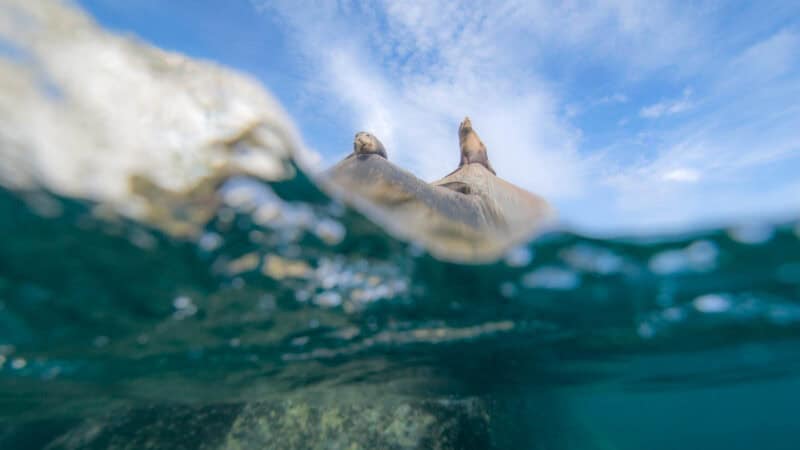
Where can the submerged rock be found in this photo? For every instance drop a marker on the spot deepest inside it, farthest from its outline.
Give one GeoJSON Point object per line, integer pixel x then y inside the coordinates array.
{"type": "Point", "coordinates": [290, 424]}
{"type": "Point", "coordinates": [392, 425]}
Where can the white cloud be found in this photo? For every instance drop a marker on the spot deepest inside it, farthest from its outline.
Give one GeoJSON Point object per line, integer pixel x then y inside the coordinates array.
{"type": "Point", "coordinates": [682, 174]}
{"type": "Point", "coordinates": [767, 59]}
{"type": "Point", "coordinates": [576, 109]}
{"type": "Point", "coordinates": [615, 98]}
{"type": "Point", "coordinates": [430, 64]}
{"type": "Point", "coordinates": [668, 107]}
{"type": "Point", "coordinates": [409, 71]}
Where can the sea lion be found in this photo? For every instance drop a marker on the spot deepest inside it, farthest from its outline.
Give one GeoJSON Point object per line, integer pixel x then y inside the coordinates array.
{"type": "Point", "coordinates": [449, 224]}
{"type": "Point", "coordinates": [472, 148]}
{"type": "Point", "coordinates": [386, 185]}
{"type": "Point", "coordinates": [512, 210]}
{"type": "Point", "coordinates": [470, 215]}
{"type": "Point", "coordinates": [367, 144]}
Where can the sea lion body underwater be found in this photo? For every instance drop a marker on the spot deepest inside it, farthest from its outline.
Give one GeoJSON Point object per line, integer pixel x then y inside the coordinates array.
{"type": "Point", "coordinates": [469, 215]}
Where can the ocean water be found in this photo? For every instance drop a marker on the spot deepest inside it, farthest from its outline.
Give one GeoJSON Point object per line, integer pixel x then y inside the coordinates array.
{"type": "Point", "coordinates": [172, 277]}
{"type": "Point", "coordinates": [659, 342]}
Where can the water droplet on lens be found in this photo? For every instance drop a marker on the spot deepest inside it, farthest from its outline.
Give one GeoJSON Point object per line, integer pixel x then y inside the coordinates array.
{"type": "Point", "coordinates": [416, 249]}
{"type": "Point", "coordinates": [226, 216]}
{"type": "Point", "coordinates": [142, 239]}
{"type": "Point", "coordinates": [183, 307]}
{"type": "Point", "coordinates": [592, 259]}
{"type": "Point", "coordinates": [328, 299]}
{"type": "Point", "coordinates": [752, 234]}
{"type": "Point", "coordinates": [645, 330]}
{"type": "Point", "coordinates": [267, 302]}
{"type": "Point", "coordinates": [44, 205]}
{"type": "Point", "coordinates": [508, 289]}
{"type": "Point", "coordinates": [711, 303]}
{"type": "Point", "coordinates": [100, 341]}
{"type": "Point", "coordinates": [51, 373]}
{"type": "Point", "coordinates": [300, 341]}
{"type": "Point", "coordinates": [209, 241]}
{"type": "Point", "coordinates": [784, 314]}
{"type": "Point", "coordinates": [702, 254]}
{"type": "Point", "coordinates": [181, 302]}
{"type": "Point", "coordinates": [266, 213]}
{"type": "Point", "coordinates": [673, 314]}
{"type": "Point", "coordinates": [550, 277]}
{"type": "Point", "coordinates": [518, 257]}
{"type": "Point", "coordinates": [18, 363]}
{"type": "Point", "coordinates": [668, 262]}
{"type": "Point", "coordinates": [245, 263]}
{"type": "Point", "coordinates": [330, 231]}
{"type": "Point", "coordinates": [302, 296]}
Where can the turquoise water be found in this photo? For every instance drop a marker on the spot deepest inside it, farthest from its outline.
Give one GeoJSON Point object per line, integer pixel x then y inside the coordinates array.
{"type": "Point", "coordinates": [658, 342]}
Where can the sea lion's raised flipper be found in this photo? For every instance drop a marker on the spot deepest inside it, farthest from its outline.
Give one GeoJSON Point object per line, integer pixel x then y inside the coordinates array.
{"type": "Point", "coordinates": [472, 148]}
{"type": "Point", "coordinates": [513, 212]}
{"type": "Point", "coordinates": [367, 144]}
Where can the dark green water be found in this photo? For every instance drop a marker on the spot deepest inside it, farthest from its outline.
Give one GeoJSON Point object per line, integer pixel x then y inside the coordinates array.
{"type": "Point", "coordinates": [686, 341]}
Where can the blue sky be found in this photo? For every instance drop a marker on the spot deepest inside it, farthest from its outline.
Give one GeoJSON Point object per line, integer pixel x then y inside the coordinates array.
{"type": "Point", "coordinates": [626, 115]}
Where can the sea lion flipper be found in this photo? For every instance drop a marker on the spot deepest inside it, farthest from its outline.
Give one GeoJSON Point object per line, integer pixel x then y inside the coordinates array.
{"type": "Point", "coordinates": [472, 148]}
{"type": "Point", "coordinates": [367, 144]}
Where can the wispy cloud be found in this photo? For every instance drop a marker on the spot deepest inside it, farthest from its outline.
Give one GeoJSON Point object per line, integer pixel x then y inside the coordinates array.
{"type": "Point", "coordinates": [682, 175]}
{"type": "Point", "coordinates": [668, 107]}
{"type": "Point", "coordinates": [409, 71]}
{"type": "Point", "coordinates": [616, 98]}
{"type": "Point", "coordinates": [767, 59]}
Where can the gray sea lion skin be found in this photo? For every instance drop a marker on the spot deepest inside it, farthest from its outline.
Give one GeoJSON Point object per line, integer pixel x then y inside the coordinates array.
{"type": "Point", "coordinates": [367, 144]}
{"type": "Point", "coordinates": [369, 175]}
{"type": "Point", "coordinates": [515, 210]}
{"type": "Point", "coordinates": [472, 148]}
{"type": "Point", "coordinates": [471, 215]}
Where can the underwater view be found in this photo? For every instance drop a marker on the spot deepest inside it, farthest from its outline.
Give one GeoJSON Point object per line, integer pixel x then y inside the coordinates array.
{"type": "Point", "coordinates": [176, 274]}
